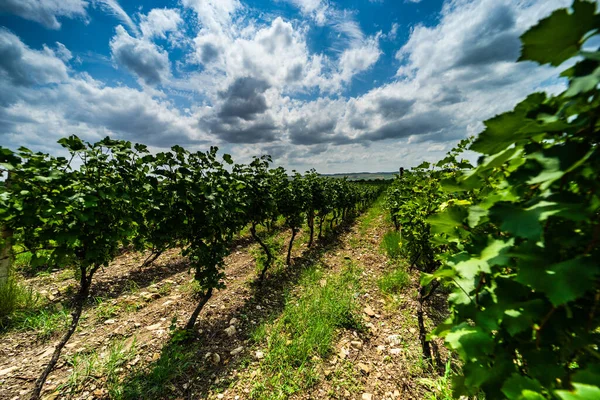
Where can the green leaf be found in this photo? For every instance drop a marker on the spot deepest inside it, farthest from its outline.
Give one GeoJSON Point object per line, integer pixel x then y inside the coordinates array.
{"type": "Point", "coordinates": [227, 159]}
{"type": "Point", "coordinates": [469, 341]}
{"type": "Point", "coordinates": [583, 84]}
{"type": "Point", "coordinates": [505, 129]}
{"type": "Point", "coordinates": [559, 37]}
{"type": "Point", "coordinates": [495, 253]}
{"type": "Point", "coordinates": [448, 221]}
{"type": "Point", "coordinates": [561, 282]}
{"type": "Point", "coordinates": [519, 387]}
{"type": "Point", "coordinates": [580, 392]}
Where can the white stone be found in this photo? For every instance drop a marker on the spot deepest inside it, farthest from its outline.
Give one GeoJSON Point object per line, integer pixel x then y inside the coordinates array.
{"type": "Point", "coordinates": [236, 351]}
{"type": "Point", "coordinates": [394, 340]}
{"type": "Point", "coordinates": [230, 331]}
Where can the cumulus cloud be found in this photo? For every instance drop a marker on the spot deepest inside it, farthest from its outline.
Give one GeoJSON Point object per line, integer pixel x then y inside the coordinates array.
{"type": "Point", "coordinates": [41, 101]}
{"type": "Point", "coordinates": [159, 21]}
{"type": "Point", "coordinates": [214, 15]}
{"type": "Point", "coordinates": [46, 12]}
{"type": "Point", "coordinates": [23, 66]}
{"type": "Point", "coordinates": [244, 99]}
{"type": "Point", "coordinates": [140, 56]}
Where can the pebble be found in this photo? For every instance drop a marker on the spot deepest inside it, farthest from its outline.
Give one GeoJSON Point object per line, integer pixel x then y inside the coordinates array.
{"type": "Point", "coordinates": [236, 351]}
{"type": "Point", "coordinates": [395, 351]}
{"type": "Point", "coordinates": [394, 340]}
{"type": "Point", "coordinates": [7, 371]}
{"type": "Point", "coordinates": [154, 327]}
{"type": "Point", "coordinates": [259, 355]}
{"type": "Point", "coordinates": [364, 368]}
{"type": "Point", "coordinates": [230, 331]}
{"type": "Point", "coordinates": [367, 396]}
{"type": "Point", "coordinates": [357, 344]}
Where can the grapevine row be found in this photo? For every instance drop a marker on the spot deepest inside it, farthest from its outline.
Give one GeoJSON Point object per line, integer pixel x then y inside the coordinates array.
{"type": "Point", "coordinates": [516, 239]}
{"type": "Point", "coordinates": [112, 194]}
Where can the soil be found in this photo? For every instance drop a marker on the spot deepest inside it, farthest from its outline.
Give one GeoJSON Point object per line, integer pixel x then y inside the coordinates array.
{"type": "Point", "coordinates": [138, 306]}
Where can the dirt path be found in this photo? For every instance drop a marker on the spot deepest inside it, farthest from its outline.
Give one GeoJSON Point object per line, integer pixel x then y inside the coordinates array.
{"type": "Point", "coordinates": [382, 361]}
{"type": "Point", "coordinates": [385, 362]}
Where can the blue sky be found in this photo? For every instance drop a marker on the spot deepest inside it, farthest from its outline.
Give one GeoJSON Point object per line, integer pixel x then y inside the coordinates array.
{"type": "Point", "coordinates": [341, 86]}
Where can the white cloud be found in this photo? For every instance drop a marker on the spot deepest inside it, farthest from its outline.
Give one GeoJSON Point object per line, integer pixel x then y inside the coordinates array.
{"type": "Point", "coordinates": [248, 81]}
{"type": "Point", "coordinates": [214, 15]}
{"type": "Point", "coordinates": [159, 21]}
{"type": "Point", "coordinates": [113, 7]}
{"type": "Point", "coordinates": [22, 66]}
{"type": "Point", "coordinates": [140, 56]}
{"type": "Point", "coordinates": [62, 52]}
{"type": "Point", "coordinates": [46, 12]}
{"type": "Point", "coordinates": [40, 101]}
{"type": "Point", "coordinates": [317, 9]}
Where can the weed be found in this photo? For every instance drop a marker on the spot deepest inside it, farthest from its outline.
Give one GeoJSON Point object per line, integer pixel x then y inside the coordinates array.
{"type": "Point", "coordinates": [15, 296]}
{"type": "Point", "coordinates": [440, 387]}
{"type": "Point", "coordinates": [132, 286]}
{"type": "Point", "coordinates": [346, 377]}
{"type": "Point", "coordinates": [165, 289]}
{"type": "Point", "coordinates": [91, 366]}
{"type": "Point", "coordinates": [393, 282]}
{"type": "Point", "coordinates": [276, 244]}
{"type": "Point", "coordinates": [370, 218]}
{"type": "Point", "coordinates": [191, 287]}
{"type": "Point", "coordinates": [153, 382]}
{"type": "Point", "coordinates": [44, 322]}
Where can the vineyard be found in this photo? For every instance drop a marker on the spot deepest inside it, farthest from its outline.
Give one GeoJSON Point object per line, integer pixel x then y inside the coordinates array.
{"type": "Point", "coordinates": [126, 273]}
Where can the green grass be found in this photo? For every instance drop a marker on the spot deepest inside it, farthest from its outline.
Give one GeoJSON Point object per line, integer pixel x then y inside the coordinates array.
{"type": "Point", "coordinates": [87, 368]}
{"type": "Point", "coordinates": [15, 297]}
{"type": "Point", "coordinates": [276, 244]}
{"type": "Point", "coordinates": [439, 388]}
{"type": "Point", "coordinates": [106, 309]}
{"type": "Point", "coordinates": [394, 282]}
{"type": "Point", "coordinates": [370, 218]}
{"type": "Point", "coordinates": [305, 332]}
{"type": "Point", "coordinates": [391, 244]}
{"type": "Point", "coordinates": [45, 322]}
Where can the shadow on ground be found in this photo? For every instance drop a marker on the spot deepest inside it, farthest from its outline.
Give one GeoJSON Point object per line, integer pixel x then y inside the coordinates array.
{"type": "Point", "coordinates": [182, 371]}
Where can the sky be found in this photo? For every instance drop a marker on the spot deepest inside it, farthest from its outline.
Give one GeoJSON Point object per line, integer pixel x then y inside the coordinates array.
{"type": "Point", "coordinates": [340, 86]}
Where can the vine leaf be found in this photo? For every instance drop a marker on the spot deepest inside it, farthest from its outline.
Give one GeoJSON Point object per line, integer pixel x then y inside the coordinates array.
{"type": "Point", "coordinates": [519, 387]}
{"type": "Point", "coordinates": [580, 392]}
{"type": "Point", "coordinates": [561, 282]}
{"type": "Point", "coordinates": [557, 38]}
{"type": "Point", "coordinates": [469, 341]}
